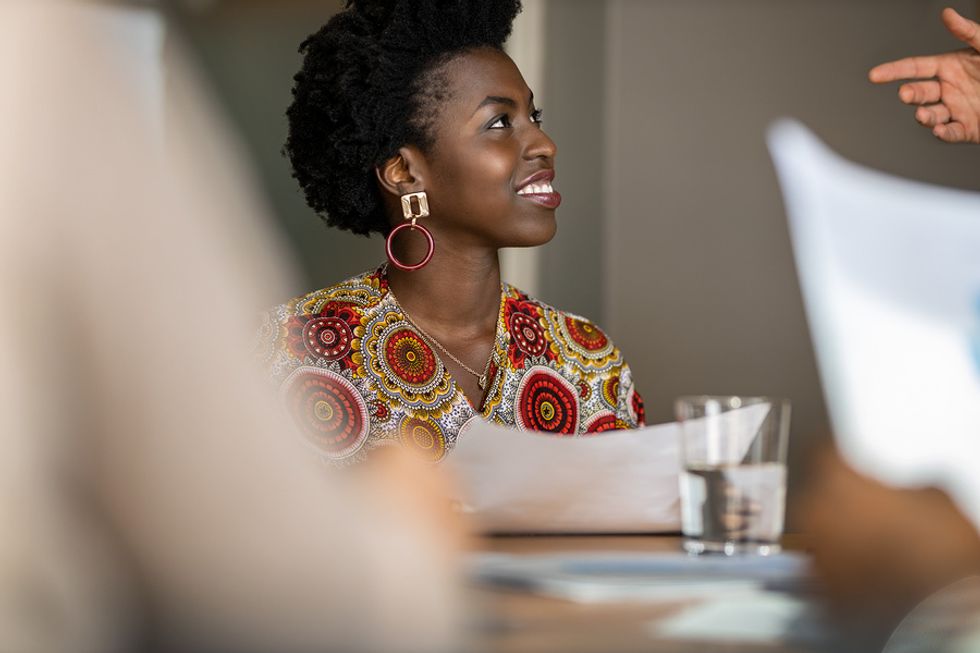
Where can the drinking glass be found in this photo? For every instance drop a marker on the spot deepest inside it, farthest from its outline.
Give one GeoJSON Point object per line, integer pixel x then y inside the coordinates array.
{"type": "Point", "coordinates": [733, 473]}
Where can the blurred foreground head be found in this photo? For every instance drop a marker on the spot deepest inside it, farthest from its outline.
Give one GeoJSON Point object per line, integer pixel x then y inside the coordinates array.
{"type": "Point", "coordinates": [150, 495]}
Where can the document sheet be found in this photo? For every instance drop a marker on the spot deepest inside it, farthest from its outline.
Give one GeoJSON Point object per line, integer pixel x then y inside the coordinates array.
{"type": "Point", "coordinates": [890, 272]}
{"type": "Point", "coordinates": [613, 482]}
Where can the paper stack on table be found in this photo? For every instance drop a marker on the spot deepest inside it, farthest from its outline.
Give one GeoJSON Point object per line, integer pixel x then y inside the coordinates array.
{"type": "Point", "coordinates": [614, 482]}
{"type": "Point", "coordinates": [618, 577]}
{"type": "Point", "coordinates": [623, 481]}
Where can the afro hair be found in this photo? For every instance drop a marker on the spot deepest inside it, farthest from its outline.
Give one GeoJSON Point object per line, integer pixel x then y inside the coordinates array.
{"type": "Point", "coordinates": [357, 98]}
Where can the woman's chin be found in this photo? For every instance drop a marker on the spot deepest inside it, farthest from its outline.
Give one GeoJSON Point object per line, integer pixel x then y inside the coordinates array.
{"type": "Point", "coordinates": [536, 232]}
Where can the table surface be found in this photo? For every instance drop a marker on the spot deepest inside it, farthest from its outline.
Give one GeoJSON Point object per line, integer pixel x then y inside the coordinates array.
{"type": "Point", "coordinates": [520, 622]}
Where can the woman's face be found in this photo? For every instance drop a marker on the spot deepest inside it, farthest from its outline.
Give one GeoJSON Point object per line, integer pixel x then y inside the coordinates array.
{"type": "Point", "coordinates": [489, 173]}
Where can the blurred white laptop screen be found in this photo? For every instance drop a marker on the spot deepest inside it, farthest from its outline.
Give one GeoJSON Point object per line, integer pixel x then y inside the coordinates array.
{"type": "Point", "coordinates": [890, 273]}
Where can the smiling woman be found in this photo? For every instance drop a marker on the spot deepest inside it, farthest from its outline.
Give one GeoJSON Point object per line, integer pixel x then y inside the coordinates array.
{"type": "Point", "coordinates": [409, 120]}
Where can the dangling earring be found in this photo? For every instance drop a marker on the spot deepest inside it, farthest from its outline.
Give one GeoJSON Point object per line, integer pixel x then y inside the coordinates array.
{"type": "Point", "coordinates": [409, 203]}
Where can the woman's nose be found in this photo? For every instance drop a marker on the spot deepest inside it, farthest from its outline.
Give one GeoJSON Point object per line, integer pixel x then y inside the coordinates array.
{"type": "Point", "coordinates": [539, 145]}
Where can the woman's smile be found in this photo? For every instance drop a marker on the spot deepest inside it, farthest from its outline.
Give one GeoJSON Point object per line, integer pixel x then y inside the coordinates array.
{"type": "Point", "coordinates": [538, 189]}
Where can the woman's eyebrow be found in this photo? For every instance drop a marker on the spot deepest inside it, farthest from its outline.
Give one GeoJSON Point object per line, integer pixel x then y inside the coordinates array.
{"type": "Point", "coordinates": [500, 99]}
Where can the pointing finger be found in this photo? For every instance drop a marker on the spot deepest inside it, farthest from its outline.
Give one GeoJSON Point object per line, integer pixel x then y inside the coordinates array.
{"type": "Point", "coordinates": [919, 92]}
{"type": "Point", "coordinates": [908, 68]}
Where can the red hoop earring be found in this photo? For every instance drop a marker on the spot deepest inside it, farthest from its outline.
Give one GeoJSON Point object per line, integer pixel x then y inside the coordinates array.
{"type": "Point", "coordinates": [409, 203]}
{"type": "Point", "coordinates": [425, 259]}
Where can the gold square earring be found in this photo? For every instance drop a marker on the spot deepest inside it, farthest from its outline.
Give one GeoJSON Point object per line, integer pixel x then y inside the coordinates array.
{"type": "Point", "coordinates": [412, 200]}
{"type": "Point", "coordinates": [414, 206]}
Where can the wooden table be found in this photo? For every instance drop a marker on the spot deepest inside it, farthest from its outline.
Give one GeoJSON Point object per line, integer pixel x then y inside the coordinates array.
{"type": "Point", "coordinates": [516, 622]}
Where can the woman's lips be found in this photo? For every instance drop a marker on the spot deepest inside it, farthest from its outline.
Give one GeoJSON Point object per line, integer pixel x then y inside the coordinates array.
{"type": "Point", "coordinates": [537, 188]}
{"type": "Point", "coordinates": [548, 200]}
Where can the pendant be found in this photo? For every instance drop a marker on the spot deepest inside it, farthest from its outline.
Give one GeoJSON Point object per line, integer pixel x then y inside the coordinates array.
{"type": "Point", "coordinates": [482, 382]}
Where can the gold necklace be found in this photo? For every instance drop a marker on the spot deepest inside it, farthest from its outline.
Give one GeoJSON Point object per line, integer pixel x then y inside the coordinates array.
{"type": "Point", "coordinates": [481, 378]}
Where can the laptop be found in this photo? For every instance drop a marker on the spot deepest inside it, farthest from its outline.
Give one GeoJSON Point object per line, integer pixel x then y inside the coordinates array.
{"type": "Point", "coordinates": [890, 274]}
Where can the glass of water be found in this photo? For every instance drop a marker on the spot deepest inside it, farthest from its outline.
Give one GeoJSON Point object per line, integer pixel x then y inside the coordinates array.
{"type": "Point", "coordinates": [733, 473]}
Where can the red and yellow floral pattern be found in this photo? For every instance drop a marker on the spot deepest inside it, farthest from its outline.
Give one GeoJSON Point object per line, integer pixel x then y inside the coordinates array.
{"type": "Point", "coordinates": [357, 374]}
{"type": "Point", "coordinates": [604, 421]}
{"type": "Point", "coordinates": [546, 402]}
{"type": "Point", "coordinates": [423, 436]}
{"type": "Point", "coordinates": [524, 322]}
{"type": "Point", "coordinates": [329, 410]}
{"type": "Point", "coordinates": [331, 333]}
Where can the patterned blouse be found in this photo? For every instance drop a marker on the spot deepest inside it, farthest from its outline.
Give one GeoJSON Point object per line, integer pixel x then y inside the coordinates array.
{"type": "Point", "coordinates": [356, 374]}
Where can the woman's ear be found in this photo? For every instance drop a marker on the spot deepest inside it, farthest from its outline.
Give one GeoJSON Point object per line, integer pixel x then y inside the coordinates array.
{"type": "Point", "coordinates": [402, 173]}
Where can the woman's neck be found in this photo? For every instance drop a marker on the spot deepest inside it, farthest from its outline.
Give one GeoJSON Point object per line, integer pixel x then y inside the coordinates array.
{"type": "Point", "coordinates": [457, 293]}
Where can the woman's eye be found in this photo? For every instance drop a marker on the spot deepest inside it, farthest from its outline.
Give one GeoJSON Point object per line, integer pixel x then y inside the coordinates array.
{"type": "Point", "coordinates": [503, 121]}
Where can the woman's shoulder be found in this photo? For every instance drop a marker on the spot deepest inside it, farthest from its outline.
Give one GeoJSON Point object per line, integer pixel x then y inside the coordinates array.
{"type": "Point", "coordinates": [361, 291]}
{"type": "Point", "coordinates": [324, 324]}
{"type": "Point", "coordinates": [515, 294]}
{"type": "Point", "coordinates": [568, 355]}
{"type": "Point", "coordinates": [567, 335]}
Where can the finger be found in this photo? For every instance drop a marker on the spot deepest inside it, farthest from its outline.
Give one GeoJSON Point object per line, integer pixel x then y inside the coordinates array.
{"type": "Point", "coordinates": [908, 68]}
{"type": "Point", "coordinates": [919, 92]}
{"type": "Point", "coordinates": [932, 115]}
{"type": "Point", "coordinates": [951, 132]}
{"type": "Point", "coordinates": [962, 28]}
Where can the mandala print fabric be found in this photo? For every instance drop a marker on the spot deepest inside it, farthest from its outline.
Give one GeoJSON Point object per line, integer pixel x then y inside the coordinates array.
{"type": "Point", "coordinates": [357, 375]}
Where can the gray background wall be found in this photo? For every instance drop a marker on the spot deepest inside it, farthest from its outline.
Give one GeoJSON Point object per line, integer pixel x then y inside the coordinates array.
{"type": "Point", "coordinates": [250, 49]}
{"type": "Point", "coordinates": [672, 234]}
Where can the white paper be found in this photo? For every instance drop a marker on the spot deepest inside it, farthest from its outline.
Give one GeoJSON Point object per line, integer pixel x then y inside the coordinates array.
{"type": "Point", "coordinates": [614, 482]}
{"type": "Point", "coordinates": [890, 272]}
{"type": "Point", "coordinates": [618, 577]}
{"type": "Point", "coordinates": [621, 481]}
{"type": "Point", "coordinates": [752, 617]}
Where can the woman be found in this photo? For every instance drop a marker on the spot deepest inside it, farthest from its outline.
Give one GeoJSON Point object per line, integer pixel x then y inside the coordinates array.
{"type": "Point", "coordinates": [409, 120]}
